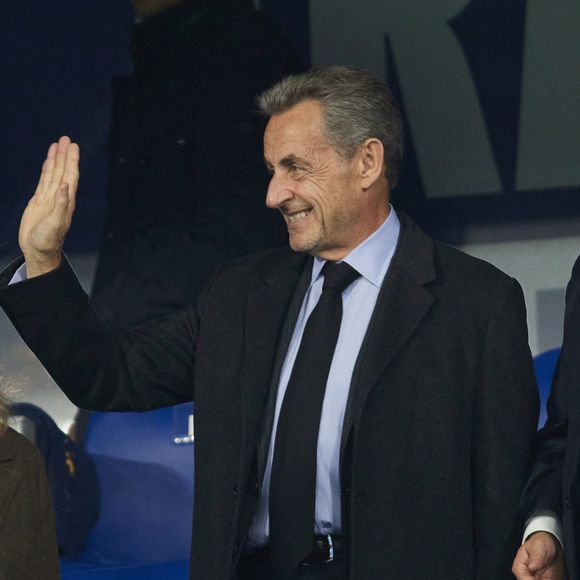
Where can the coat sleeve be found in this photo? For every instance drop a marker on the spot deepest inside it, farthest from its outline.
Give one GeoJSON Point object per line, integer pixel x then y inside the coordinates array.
{"type": "Point", "coordinates": [141, 369]}
{"type": "Point", "coordinates": [505, 420]}
{"type": "Point", "coordinates": [544, 488]}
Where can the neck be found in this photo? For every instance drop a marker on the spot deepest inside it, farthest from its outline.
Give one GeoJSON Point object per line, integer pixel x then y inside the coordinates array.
{"type": "Point", "coordinates": [378, 219]}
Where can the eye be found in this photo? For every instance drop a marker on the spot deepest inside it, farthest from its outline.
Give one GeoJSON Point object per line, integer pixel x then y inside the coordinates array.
{"type": "Point", "coordinates": [295, 169]}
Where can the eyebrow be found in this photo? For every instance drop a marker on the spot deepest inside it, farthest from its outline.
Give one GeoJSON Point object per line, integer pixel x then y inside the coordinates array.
{"type": "Point", "coordinates": [288, 161]}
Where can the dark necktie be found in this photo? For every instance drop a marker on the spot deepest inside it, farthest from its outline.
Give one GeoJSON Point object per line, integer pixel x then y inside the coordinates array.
{"type": "Point", "coordinates": [293, 480]}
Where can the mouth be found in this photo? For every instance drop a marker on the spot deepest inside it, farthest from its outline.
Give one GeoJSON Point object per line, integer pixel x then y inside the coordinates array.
{"type": "Point", "coordinates": [297, 215]}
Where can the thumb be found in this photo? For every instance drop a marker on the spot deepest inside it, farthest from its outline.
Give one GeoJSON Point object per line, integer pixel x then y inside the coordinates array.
{"type": "Point", "coordinates": [540, 555]}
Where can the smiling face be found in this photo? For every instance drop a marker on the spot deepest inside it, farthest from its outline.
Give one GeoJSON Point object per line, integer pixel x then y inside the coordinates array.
{"type": "Point", "coordinates": [321, 194]}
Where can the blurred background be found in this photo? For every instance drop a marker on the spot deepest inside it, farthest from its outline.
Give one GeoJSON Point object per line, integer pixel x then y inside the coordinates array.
{"type": "Point", "coordinates": [489, 89]}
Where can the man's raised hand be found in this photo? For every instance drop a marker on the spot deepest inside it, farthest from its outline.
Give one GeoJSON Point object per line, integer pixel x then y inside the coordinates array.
{"type": "Point", "coordinates": [47, 217]}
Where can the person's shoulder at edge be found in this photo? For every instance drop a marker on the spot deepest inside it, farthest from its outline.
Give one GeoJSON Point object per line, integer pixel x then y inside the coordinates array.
{"type": "Point", "coordinates": [15, 445]}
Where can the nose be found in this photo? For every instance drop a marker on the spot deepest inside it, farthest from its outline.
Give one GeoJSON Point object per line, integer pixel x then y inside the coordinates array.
{"type": "Point", "coordinates": [279, 191]}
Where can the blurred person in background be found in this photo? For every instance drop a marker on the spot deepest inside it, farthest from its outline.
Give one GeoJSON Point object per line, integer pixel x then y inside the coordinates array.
{"type": "Point", "coordinates": [550, 498]}
{"type": "Point", "coordinates": [28, 547]}
{"type": "Point", "coordinates": [186, 177]}
{"type": "Point", "coordinates": [176, 207]}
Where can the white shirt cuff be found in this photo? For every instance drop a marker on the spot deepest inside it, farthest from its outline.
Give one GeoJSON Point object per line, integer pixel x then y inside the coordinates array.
{"type": "Point", "coordinates": [19, 275]}
{"type": "Point", "coordinates": [544, 521]}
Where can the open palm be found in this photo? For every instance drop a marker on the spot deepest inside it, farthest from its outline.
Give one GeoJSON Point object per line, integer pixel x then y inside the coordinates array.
{"type": "Point", "coordinates": [47, 217]}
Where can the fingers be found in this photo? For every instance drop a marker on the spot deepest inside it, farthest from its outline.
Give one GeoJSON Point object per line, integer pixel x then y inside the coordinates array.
{"type": "Point", "coordinates": [520, 566]}
{"type": "Point", "coordinates": [542, 552]}
{"type": "Point", "coordinates": [57, 220]}
{"type": "Point", "coordinates": [71, 169]}
{"type": "Point", "coordinates": [61, 214]}
{"type": "Point", "coordinates": [59, 164]}
{"type": "Point", "coordinates": [67, 203]}
{"type": "Point", "coordinates": [538, 559]}
{"type": "Point", "coordinates": [47, 169]}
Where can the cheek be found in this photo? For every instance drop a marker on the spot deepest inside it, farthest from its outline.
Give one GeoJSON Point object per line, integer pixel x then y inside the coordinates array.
{"type": "Point", "coordinates": [318, 195]}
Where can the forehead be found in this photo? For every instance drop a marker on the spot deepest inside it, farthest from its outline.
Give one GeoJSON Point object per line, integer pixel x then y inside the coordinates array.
{"type": "Point", "coordinates": [299, 128]}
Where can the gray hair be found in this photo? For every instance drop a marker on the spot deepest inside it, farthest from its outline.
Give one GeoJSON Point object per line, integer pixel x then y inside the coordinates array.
{"type": "Point", "coordinates": [357, 106]}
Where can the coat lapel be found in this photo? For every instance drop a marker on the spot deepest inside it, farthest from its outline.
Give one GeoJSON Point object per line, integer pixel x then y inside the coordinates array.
{"type": "Point", "coordinates": [401, 306]}
{"type": "Point", "coordinates": [266, 310]}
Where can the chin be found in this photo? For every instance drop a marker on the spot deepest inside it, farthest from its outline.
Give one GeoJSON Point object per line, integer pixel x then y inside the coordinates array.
{"type": "Point", "coordinates": [309, 240]}
{"type": "Point", "coordinates": [303, 246]}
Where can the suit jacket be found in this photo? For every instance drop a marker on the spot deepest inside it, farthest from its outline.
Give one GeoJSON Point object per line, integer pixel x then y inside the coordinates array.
{"type": "Point", "coordinates": [553, 483]}
{"type": "Point", "coordinates": [437, 434]}
{"type": "Point", "coordinates": [28, 549]}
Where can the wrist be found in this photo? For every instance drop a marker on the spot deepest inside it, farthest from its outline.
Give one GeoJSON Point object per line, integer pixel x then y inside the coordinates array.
{"type": "Point", "coordinates": [545, 521]}
{"type": "Point", "coordinates": [37, 265]}
{"type": "Point", "coordinates": [543, 534]}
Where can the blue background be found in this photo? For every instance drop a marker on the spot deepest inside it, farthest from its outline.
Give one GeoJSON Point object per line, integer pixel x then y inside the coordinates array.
{"type": "Point", "coordinates": [60, 57]}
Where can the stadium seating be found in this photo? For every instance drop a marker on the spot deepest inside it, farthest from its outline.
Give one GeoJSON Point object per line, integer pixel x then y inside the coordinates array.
{"type": "Point", "coordinates": [145, 466]}
{"type": "Point", "coordinates": [544, 366]}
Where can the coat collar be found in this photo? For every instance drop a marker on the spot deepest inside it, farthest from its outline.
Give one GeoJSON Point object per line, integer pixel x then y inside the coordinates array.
{"type": "Point", "coordinates": [276, 297]}
{"type": "Point", "coordinates": [401, 306]}
{"type": "Point", "coordinates": [266, 310]}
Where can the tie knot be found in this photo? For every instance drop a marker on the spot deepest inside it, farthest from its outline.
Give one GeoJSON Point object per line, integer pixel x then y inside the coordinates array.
{"type": "Point", "coordinates": [338, 276]}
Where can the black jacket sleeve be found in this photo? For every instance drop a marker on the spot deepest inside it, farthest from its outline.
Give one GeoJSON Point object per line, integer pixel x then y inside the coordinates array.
{"type": "Point", "coordinates": [147, 367]}
{"type": "Point", "coordinates": [544, 488]}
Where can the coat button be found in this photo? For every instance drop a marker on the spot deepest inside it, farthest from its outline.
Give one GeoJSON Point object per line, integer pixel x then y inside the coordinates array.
{"type": "Point", "coordinates": [121, 160]}
{"type": "Point", "coordinates": [182, 142]}
{"type": "Point", "coordinates": [236, 490]}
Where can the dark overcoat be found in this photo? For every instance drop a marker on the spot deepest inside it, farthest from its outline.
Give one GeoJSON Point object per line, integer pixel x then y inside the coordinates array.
{"type": "Point", "coordinates": [553, 484]}
{"type": "Point", "coordinates": [439, 424]}
{"type": "Point", "coordinates": [28, 549]}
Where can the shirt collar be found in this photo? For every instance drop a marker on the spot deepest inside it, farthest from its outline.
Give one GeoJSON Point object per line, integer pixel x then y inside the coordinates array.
{"type": "Point", "coordinates": [372, 257]}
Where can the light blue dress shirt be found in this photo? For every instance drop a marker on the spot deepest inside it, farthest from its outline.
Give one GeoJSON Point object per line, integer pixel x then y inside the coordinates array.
{"type": "Point", "coordinates": [371, 259]}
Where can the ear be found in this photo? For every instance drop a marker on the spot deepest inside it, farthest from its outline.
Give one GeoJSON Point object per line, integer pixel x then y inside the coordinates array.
{"type": "Point", "coordinates": [371, 162]}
